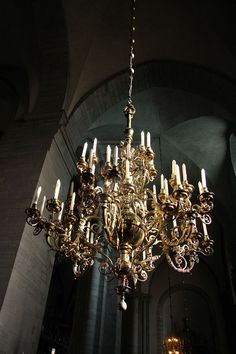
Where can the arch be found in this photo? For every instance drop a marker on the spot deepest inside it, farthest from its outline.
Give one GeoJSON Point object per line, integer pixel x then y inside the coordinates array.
{"type": "Point", "coordinates": [163, 73]}
{"type": "Point", "coordinates": [202, 283]}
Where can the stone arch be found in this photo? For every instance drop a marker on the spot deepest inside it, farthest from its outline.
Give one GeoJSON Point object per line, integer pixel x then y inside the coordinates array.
{"type": "Point", "coordinates": [203, 284]}
{"type": "Point", "coordinates": [191, 305]}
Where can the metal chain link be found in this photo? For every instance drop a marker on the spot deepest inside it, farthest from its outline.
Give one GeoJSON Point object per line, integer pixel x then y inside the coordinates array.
{"type": "Point", "coordinates": [131, 53]}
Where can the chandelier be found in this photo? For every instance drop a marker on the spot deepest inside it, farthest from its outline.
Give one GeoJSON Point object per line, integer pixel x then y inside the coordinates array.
{"type": "Point", "coordinates": [126, 224]}
{"type": "Point", "coordinates": [173, 345]}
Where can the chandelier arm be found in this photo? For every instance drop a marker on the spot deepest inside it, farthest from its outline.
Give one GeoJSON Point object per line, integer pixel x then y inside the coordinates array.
{"type": "Point", "coordinates": [149, 244]}
{"type": "Point", "coordinates": [171, 243]}
{"type": "Point", "coordinates": [184, 269]}
{"type": "Point", "coordinates": [105, 256]}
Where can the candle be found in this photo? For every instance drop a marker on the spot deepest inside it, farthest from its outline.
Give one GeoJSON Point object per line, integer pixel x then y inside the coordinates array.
{"type": "Point", "coordinates": [184, 172]}
{"type": "Point", "coordinates": [174, 222]}
{"type": "Point", "coordinates": [53, 351]}
{"type": "Point", "coordinates": [95, 146]}
{"type": "Point", "coordinates": [93, 169]}
{"type": "Point", "coordinates": [61, 211]}
{"type": "Point", "coordinates": [127, 169]}
{"type": "Point", "coordinates": [91, 237]}
{"type": "Point", "coordinates": [72, 202]}
{"type": "Point", "coordinates": [84, 150]}
{"type": "Point", "coordinates": [43, 205]}
{"type": "Point", "coordinates": [128, 151]}
{"type": "Point", "coordinates": [203, 175]}
{"type": "Point", "coordinates": [88, 231]}
{"type": "Point", "coordinates": [166, 188]}
{"type": "Point", "coordinates": [200, 187]}
{"type": "Point", "coordinates": [91, 159]}
{"type": "Point", "coordinates": [144, 255]}
{"type": "Point", "coordinates": [57, 189]}
{"type": "Point", "coordinates": [70, 230]}
{"type": "Point", "coordinates": [173, 168]}
{"type": "Point", "coordinates": [162, 182]}
{"type": "Point", "coordinates": [115, 159]}
{"type": "Point", "coordinates": [154, 192]}
{"type": "Point", "coordinates": [205, 233]}
{"type": "Point", "coordinates": [142, 138]}
{"type": "Point", "coordinates": [38, 195]}
{"type": "Point", "coordinates": [148, 140]}
{"type": "Point", "coordinates": [108, 157]}
{"type": "Point", "coordinates": [178, 180]}
{"type": "Point", "coordinates": [71, 188]}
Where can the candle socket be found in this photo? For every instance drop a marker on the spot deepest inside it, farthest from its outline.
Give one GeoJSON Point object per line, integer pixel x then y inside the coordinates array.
{"type": "Point", "coordinates": [82, 164]}
{"type": "Point", "coordinates": [53, 205]}
{"type": "Point", "coordinates": [69, 218]}
{"type": "Point", "coordinates": [32, 213]}
{"type": "Point", "coordinates": [149, 154]}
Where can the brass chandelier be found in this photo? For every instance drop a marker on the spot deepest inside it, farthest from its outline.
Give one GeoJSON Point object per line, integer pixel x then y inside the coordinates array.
{"type": "Point", "coordinates": [173, 345]}
{"type": "Point", "coordinates": [126, 224]}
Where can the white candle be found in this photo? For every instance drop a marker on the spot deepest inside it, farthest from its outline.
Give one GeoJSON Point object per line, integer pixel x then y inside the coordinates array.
{"type": "Point", "coordinates": [108, 157]}
{"type": "Point", "coordinates": [57, 189]}
{"type": "Point", "coordinates": [72, 202]}
{"type": "Point", "coordinates": [84, 150]}
{"type": "Point", "coordinates": [144, 255]}
{"type": "Point", "coordinates": [71, 188]}
{"type": "Point", "coordinates": [53, 351]}
{"type": "Point", "coordinates": [162, 181]}
{"type": "Point", "coordinates": [88, 231]}
{"type": "Point", "coordinates": [91, 159]}
{"type": "Point", "coordinates": [61, 211]}
{"type": "Point", "coordinates": [93, 169]}
{"type": "Point", "coordinates": [178, 180]}
{"type": "Point", "coordinates": [200, 187]}
{"type": "Point", "coordinates": [154, 192]}
{"type": "Point", "coordinates": [166, 188]}
{"type": "Point", "coordinates": [127, 169]}
{"type": "Point", "coordinates": [205, 233]}
{"type": "Point", "coordinates": [142, 138]}
{"type": "Point", "coordinates": [115, 159]}
{"type": "Point", "coordinates": [128, 151]}
{"type": "Point", "coordinates": [43, 205]}
{"type": "Point", "coordinates": [148, 140]}
{"type": "Point", "coordinates": [184, 172]}
{"type": "Point", "coordinates": [70, 230]}
{"type": "Point", "coordinates": [38, 195]}
{"type": "Point", "coordinates": [173, 168]}
{"type": "Point", "coordinates": [91, 237]}
{"type": "Point", "coordinates": [95, 146]}
{"type": "Point", "coordinates": [203, 175]}
{"type": "Point", "coordinates": [174, 222]}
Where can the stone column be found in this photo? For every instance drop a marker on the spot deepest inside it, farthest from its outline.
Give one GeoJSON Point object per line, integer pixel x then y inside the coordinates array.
{"type": "Point", "coordinates": [27, 158]}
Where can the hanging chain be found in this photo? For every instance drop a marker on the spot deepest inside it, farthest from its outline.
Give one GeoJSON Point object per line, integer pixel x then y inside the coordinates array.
{"type": "Point", "coordinates": [129, 109]}
{"type": "Point", "coordinates": [131, 53]}
{"type": "Point", "coordinates": [171, 307]}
